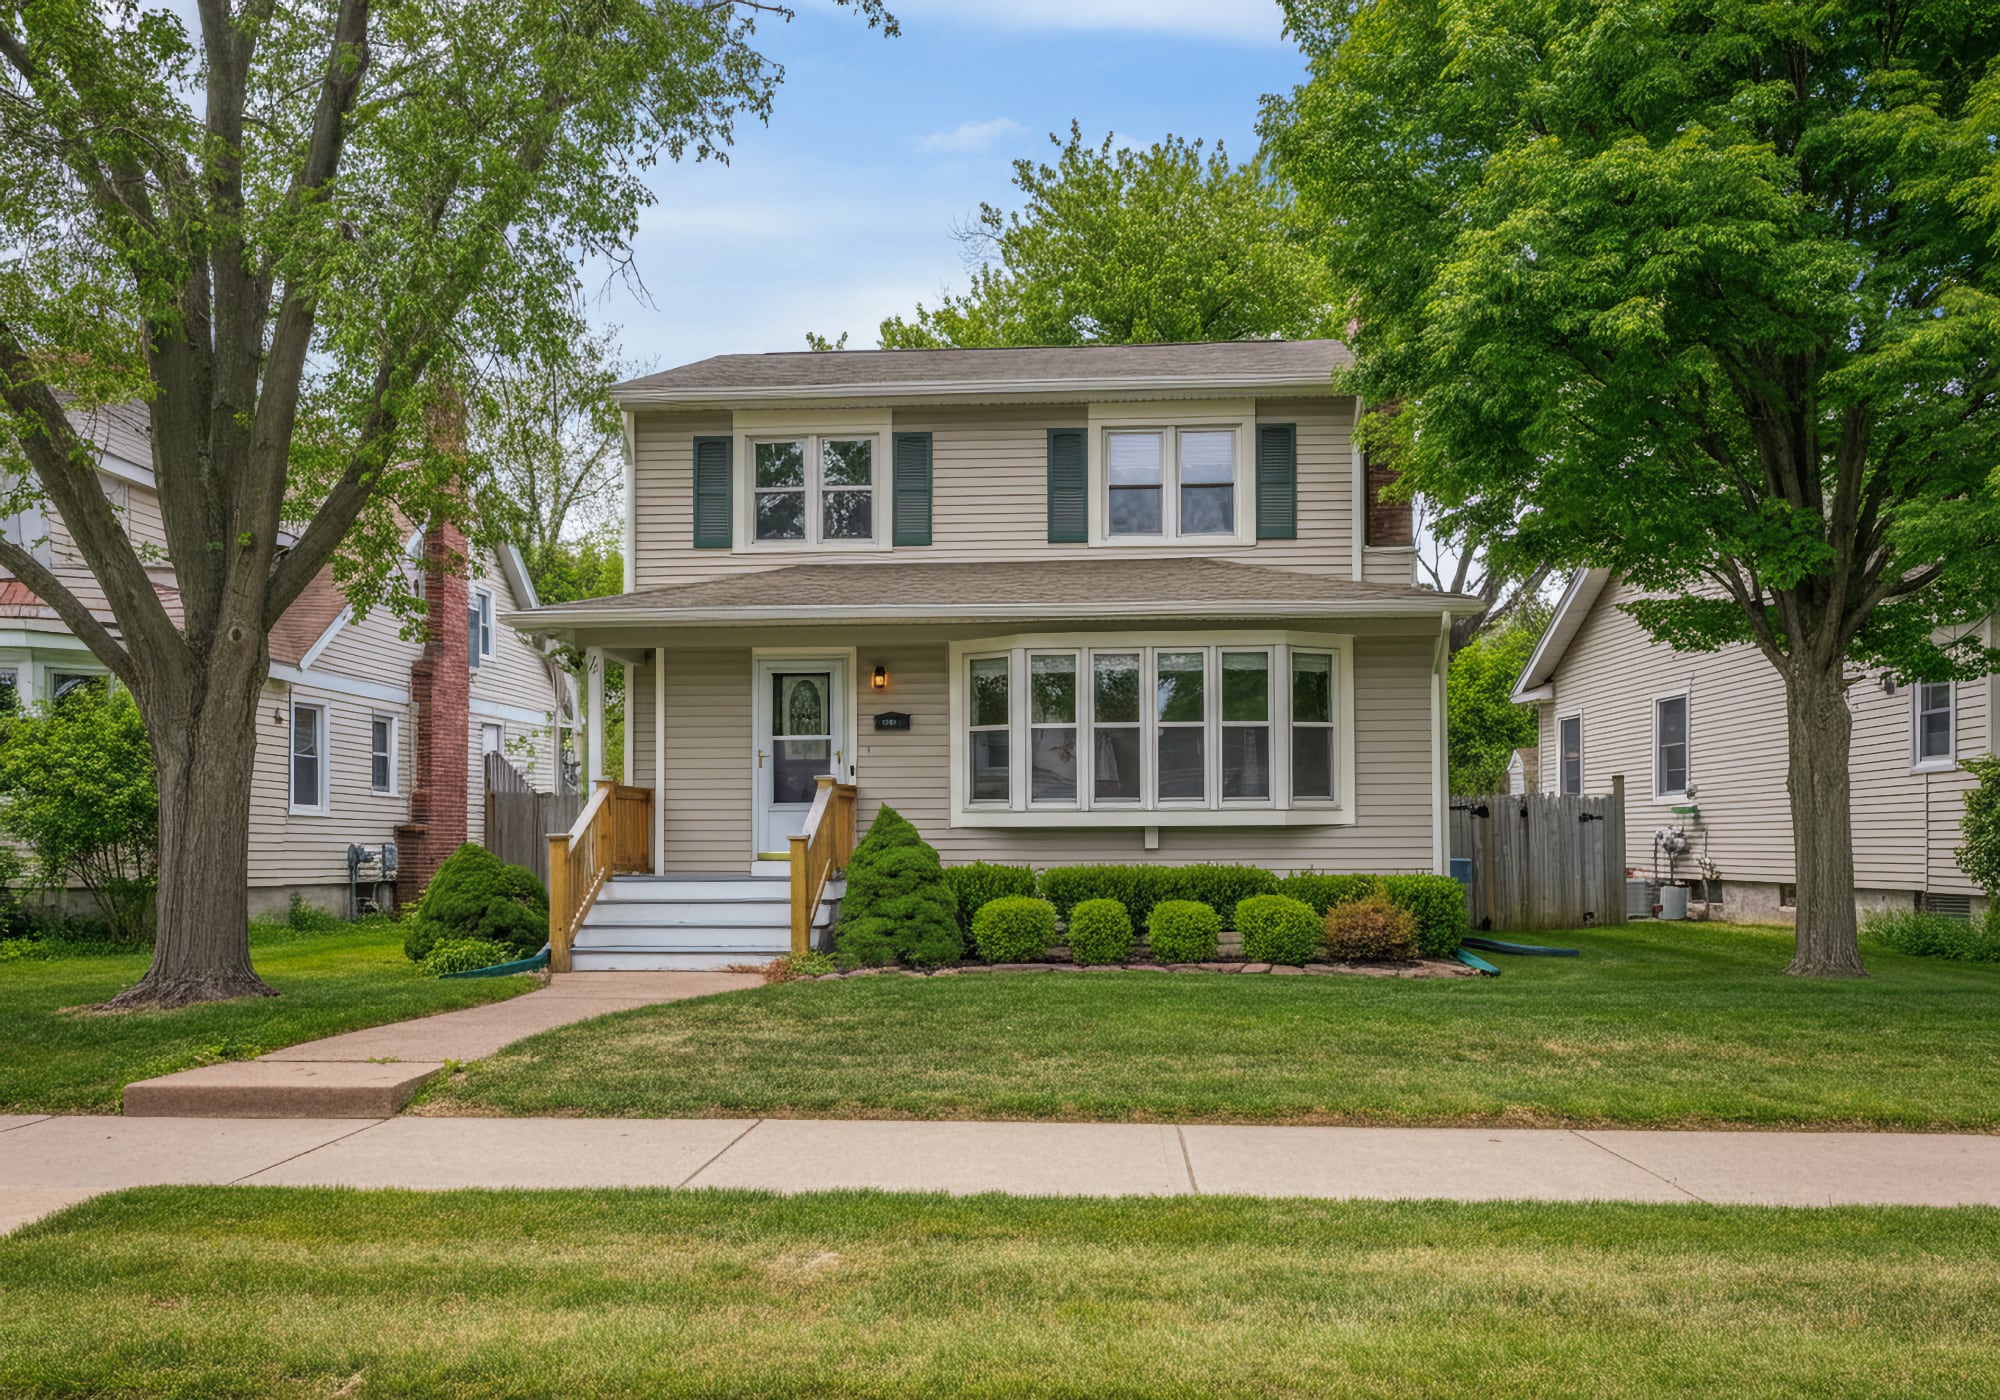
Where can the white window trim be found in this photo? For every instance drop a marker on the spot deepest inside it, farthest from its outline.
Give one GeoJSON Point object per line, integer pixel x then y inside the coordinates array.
{"type": "Point", "coordinates": [488, 624]}
{"type": "Point", "coordinates": [1280, 809]}
{"type": "Point", "coordinates": [324, 807]}
{"type": "Point", "coordinates": [499, 748]}
{"type": "Point", "coordinates": [751, 428]}
{"type": "Point", "coordinates": [1561, 720]}
{"type": "Point", "coordinates": [1919, 763]}
{"type": "Point", "coordinates": [395, 723]}
{"type": "Point", "coordinates": [1171, 420]}
{"type": "Point", "coordinates": [1661, 794]}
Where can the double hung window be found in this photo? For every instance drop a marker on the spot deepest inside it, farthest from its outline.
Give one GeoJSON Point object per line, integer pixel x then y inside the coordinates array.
{"type": "Point", "coordinates": [1932, 743]}
{"type": "Point", "coordinates": [1569, 755]}
{"type": "Point", "coordinates": [479, 627]}
{"type": "Point", "coordinates": [1181, 727]}
{"type": "Point", "coordinates": [309, 751]}
{"type": "Point", "coordinates": [1670, 746]}
{"type": "Point", "coordinates": [813, 490]}
{"type": "Point", "coordinates": [382, 753]}
{"type": "Point", "coordinates": [1170, 484]}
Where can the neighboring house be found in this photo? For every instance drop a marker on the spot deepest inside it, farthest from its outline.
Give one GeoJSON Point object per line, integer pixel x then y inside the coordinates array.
{"type": "Point", "coordinates": [363, 736]}
{"type": "Point", "coordinates": [1700, 740]}
{"type": "Point", "coordinates": [1131, 603]}
{"type": "Point", "coordinates": [1524, 772]}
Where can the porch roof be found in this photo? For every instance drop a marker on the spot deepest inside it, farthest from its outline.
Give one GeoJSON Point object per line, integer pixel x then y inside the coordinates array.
{"type": "Point", "coordinates": [1006, 590]}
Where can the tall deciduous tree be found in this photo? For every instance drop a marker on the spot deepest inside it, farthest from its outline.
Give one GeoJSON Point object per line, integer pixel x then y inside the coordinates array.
{"type": "Point", "coordinates": [1704, 291]}
{"type": "Point", "coordinates": [1171, 243]}
{"type": "Point", "coordinates": [291, 233]}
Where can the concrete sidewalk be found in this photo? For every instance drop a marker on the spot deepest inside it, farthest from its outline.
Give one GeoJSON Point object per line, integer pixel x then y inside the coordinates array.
{"type": "Point", "coordinates": [48, 1163]}
{"type": "Point", "coordinates": [373, 1073]}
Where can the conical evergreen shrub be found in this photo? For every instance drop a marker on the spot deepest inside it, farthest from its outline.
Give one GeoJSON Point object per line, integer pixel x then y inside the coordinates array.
{"type": "Point", "coordinates": [897, 903]}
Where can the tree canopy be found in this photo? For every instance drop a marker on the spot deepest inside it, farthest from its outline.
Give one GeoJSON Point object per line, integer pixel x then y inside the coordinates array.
{"type": "Point", "coordinates": [1703, 291]}
{"type": "Point", "coordinates": [1117, 246]}
{"type": "Point", "coordinates": [1486, 725]}
{"type": "Point", "coordinates": [297, 233]}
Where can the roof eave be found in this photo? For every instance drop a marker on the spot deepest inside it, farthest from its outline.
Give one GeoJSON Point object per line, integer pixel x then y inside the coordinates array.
{"type": "Point", "coordinates": [635, 395]}
{"type": "Point", "coordinates": [544, 619]}
{"type": "Point", "coordinates": [1537, 680]}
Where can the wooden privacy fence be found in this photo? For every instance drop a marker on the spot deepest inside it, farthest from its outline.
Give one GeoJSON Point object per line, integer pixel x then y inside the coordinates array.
{"type": "Point", "coordinates": [1543, 861]}
{"type": "Point", "coordinates": [519, 819]}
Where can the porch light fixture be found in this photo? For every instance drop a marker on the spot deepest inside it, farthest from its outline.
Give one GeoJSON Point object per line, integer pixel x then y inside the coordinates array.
{"type": "Point", "coordinates": [880, 680]}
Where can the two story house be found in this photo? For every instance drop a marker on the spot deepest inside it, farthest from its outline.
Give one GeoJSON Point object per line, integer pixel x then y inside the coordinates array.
{"type": "Point", "coordinates": [364, 736]}
{"type": "Point", "coordinates": [1053, 605]}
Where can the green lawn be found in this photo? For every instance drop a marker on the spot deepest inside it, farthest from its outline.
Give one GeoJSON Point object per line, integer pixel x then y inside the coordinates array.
{"type": "Point", "coordinates": [53, 1060]}
{"type": "Point", "coordinates": [217, 1292]}
{"type": "Point", "coordinates": [1654, 1024]}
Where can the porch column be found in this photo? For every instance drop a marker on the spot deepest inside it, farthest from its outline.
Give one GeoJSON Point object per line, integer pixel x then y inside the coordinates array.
{"type": "Point", "coordinates": [659, 760]}
{"type": "Point", "coordinates": [593, 670]}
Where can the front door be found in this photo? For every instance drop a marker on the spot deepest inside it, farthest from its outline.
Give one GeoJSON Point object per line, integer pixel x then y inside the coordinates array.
{"type": "Point", "coordinates": [801, 734]}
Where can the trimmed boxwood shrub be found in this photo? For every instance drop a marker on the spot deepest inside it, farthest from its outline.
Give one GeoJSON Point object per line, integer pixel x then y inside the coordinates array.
{"type": "Point", "coordinates": [1014, 928]}
{"type": "Point", "coordinates": [1324, 892]}
{"type": "Point", "coordinates": [1137, 887]}
{"type": "Point", "coordinates": [897, 903]}
{"type": "Point", "coordinates": [463, 955]}
{"type": "Point", "coordinates": [1438, 901]}
{"type": "Point", "coordinates": [975, 884]}
{"type": "Point", "coordinates": [1100, 931]}
{"type": "Point", "coordinates": [1371, 929]}
{"type": "Point", "coordinates": [1278, 929]}
{"type": "Point", "coordinates": [1140, 887]}
{"type": "Point", "coordinates": [477, 895]}
{"type": "Point", "coordinates": [1183, 931]}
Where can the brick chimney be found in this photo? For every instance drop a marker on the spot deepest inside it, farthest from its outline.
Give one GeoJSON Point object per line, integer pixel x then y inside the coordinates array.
{"type": "Point", "coordinates": [1388, 523]}
{"type": "Point", "coordinates": [441, 688]}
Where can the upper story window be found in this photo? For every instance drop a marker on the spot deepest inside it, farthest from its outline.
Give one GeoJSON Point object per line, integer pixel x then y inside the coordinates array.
{"type": "Point", "coordinates": [479, 627]}
{"type": "Point", "coordinates": [1125, 731]}
{"type": "Point", "coordinates": [813, 490]}
{"type": "Point", "coordinates": [1170, 484]}
{"type": "Point", "coordinates": [1670, 746]}
{"type": "Point", "coordinates": [1933, 738]}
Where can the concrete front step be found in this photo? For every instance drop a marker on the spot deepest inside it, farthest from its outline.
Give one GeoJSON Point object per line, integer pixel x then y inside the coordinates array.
{"type": "Point", "coordinates": [670, 959]}
{"type": "Point", "coordinates": [281, 1089]}
{"type": "Point", "coordinates": [645, 889]}
{"type": "Point", "coordinates": [718, 938]}
{"type": "Point", "coordinates": [631, 913]}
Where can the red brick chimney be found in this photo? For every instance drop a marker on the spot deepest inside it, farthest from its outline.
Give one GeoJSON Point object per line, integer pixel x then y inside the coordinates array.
{"type": "Point", "coordinates": [441, 688]}
{"type": "Point", "coordinates": [1388, 523]}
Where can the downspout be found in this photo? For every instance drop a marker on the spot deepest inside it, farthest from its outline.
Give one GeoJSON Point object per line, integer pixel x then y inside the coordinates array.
{"type": "Point", "coordinates": [1440, 749]}
{"type": "Point", "coordinates": [659, 758]}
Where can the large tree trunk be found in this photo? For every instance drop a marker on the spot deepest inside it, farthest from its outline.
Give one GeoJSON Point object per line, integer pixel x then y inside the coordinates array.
{"type": "Point", "coordinates": [1819, 727]}
{"type": "Point", "coordinates": [204, 747]}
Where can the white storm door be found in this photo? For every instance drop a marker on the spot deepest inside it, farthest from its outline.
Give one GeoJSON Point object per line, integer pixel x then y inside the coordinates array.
{"type": "Point", "coordinates": [801, 718]}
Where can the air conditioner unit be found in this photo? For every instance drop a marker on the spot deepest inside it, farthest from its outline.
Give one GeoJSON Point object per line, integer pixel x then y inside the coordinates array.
{"type": "Point", "coordinates": [1640, 897]}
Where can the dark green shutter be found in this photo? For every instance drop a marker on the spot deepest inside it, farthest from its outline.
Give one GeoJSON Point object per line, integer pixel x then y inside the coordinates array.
{"type": "Point", "coordinates": [1069, 488]}
{"type": "Point", "coordinates": [1277, 481]}
{"type": "Point", "coordinates": [713, 491]}
{"type": "Point", "coordinates": [911, 508]}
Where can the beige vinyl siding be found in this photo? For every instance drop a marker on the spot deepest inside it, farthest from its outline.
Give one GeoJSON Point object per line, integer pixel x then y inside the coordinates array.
{"type": "Point", "coordinates": [710, 771]}
{"type": "Point", "coordinates": [990, 492]}
{"type": "Point", "coordinates": [1905, 820]}
{"type": "Point", "coordinates": [302, 849]}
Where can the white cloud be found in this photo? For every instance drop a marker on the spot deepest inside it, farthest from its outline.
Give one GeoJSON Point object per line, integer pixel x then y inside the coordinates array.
{"type": "Point", "coordinates": [968, 137]}
{"type": "Point", "coordinates": [1250, 21]}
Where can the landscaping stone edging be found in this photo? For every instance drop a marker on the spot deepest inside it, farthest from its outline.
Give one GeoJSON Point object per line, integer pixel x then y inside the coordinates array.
{"type": "Point", "coordinates": [1429, 967]}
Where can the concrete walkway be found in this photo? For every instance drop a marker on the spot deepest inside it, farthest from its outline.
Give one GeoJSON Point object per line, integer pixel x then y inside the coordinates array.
{"type": "Point", "coordinates": [48, 1163]}
{"type": "Point", "coordinates": [373, 1073]}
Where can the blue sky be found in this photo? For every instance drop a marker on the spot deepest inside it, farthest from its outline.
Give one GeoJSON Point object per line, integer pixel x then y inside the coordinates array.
{"type": "Point", "coordinates": [840, 211]}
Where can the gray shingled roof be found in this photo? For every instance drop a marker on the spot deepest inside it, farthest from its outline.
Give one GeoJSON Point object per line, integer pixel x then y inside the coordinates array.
{"type": "Point", "coordinates": [1038, 590]}
{"type": "Point", "coordinates": [1246, 363]}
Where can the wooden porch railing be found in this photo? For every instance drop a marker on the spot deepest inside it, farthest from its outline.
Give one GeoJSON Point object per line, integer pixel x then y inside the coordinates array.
{"type": "Point", "coordinates": [821, 849]}
{"type": "Point", "coordinates": [612, 836]}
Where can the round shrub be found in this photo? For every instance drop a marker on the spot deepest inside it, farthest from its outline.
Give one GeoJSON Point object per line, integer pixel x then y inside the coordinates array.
{"type": "Point", "coordinates": [1438, 902]}
{"type": "Point", "coordinates": [978, 883]}
{"type": "Point", "coordinates": [1371, 930]}
{"type": "Point", "coordinates": [1100, 931]}
{"type": "Point", "coordinates": [463, 955]}
{"type": "Point", "coordinates": [1015, 928]}
{"type": "Point", "coordinates": [1278, 929]}
{"type": "Point", "coordinates": [476, 895]}
{"type": "Point", "coordinates": [1182, 931]}
{"type": "Point", "coordinates": [897, 903]}
{"type": "Point", "coordinates": [1323, 892]}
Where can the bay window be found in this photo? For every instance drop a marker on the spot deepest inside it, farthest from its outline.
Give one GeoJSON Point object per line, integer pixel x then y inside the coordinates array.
{"type": "Point", "coordinates": [1190, 731]}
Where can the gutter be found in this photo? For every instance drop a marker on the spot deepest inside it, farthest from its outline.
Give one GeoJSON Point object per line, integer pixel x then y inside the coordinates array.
{"type": "Point", "coordinates": [1206, 386]}
{"type": "Point", "coordinates": [979, 612]}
